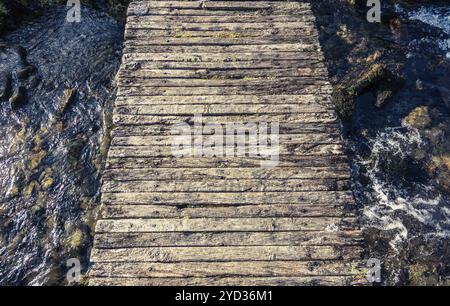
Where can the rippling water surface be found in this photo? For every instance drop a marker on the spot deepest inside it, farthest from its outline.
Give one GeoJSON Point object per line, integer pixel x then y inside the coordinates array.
{"type": "Point", "coordinates": [405, 211]}
{"type": "Point", "coordinates": [436, 16]}
{"type": "Point", "coordinates": [51, 148]}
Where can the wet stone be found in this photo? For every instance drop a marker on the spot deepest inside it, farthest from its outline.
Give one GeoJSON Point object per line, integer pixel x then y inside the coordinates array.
{"type": "Point", "coordinates": [24, 73]}
{"type": "Point", "coordinates": [34, 81]}
{"type": "Point", "coordinates": [5, 85]}
{"type": "Point", "coordinates": [19, 98]}
{"type": "Point", "coordinates": [67, 99]}
{"type": "Point", "coordinates": [22, 52]}
{"type": "Point", "coordinates": [419, 117]}
{"type": "Point", "coordinates": [382, 98]}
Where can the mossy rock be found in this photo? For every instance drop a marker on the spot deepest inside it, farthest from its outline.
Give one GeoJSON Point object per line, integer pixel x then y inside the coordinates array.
{"type": "Point", "coordinates": [419, 118]}
{"type": "Point", "coordinates": [37, 140]}
{"type": "Point", "coordinates": [39, 206]}
{"type": "Point", "coordinates": [47, 182]}
{"type": "Point", "coordinates": [76, 239]}
{"type": "Point", "coordinates": [30, 189]}
{"type": "Point", "coordinates": [422, 275]}
{"type": "Point", "coordinates": [439, 168]}
{"type": "Point", "coordinates": [377, 78]}
{"type": "Point", "coordinates": [36, 159]}
{"type": "Point", "coordinates": [13, 191]}
{"type": "Point", "coordinates": [67, 99]}
{"type": "Point", "coordinates": [344, 101]}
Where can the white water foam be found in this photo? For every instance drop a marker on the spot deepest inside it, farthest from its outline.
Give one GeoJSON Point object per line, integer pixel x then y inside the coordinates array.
{"type": "Point", "coordinates": [438, 17]}
{"type": "Point", "coordinates": [388, 203]}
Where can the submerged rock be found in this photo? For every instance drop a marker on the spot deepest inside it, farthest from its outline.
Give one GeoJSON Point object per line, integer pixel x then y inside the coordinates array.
{"type": "Point", "coordinates": [420, 275]}
{"type": "Point", "coordinates": [30, 189]}
{"type": "Point", "coordinates": [25, 72]}
{"type": "Point", "coordinates": [22, 52]}
{"type": "Point", "coordinates": [47, 182]}
{"type": "Point", "coordinates": [67, 99]}
{"type": "Point", "coordinates": [419, 117]}
{"type": "Point", "coordinates": [377, 78]}
{"type": "Point", "coordinates": [5, 85]}
{"type": "Point", "coordinates": [383, 97]}
{"type": "Point", "coordinates": [19, 97]}
{"type": "Point", "coordinates": [36, 159]}
{"type": "Point", "coordinates": [343, 99]}
{"type": "Point", "coordinates": [439, 168]}
{"type": "Point", "coordinates": [76, 239]}
{"type": "Point", "coordinates": [33, 81]}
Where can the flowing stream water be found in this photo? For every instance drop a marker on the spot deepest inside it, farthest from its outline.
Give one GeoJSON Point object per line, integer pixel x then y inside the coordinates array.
{"type": "Point", "coordinates": [51, 149]}
{"type": "Point", "coordinates": [405, 211]}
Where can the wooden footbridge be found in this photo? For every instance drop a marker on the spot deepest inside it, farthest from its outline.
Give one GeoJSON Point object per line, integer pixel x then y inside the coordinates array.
{"type": "Point", "coordinates": [225, 220]}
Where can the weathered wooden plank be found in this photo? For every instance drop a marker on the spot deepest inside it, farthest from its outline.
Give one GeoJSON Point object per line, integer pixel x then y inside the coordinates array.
{"type": "Point", "coordinates": [226, 59]}
{"type": "Point", "coordinates": [138, 6]}
{"type": "Point", "coordinates": [244, 211]}
{"type": "Point", "coordinates": [227, 185]}
{"type": "Point", "coordinates": [143, 38]}
{"type": "Point", "coordinates": [269, 152]}
{"type": "Point", "coordinates": [305, 99]}
{"type": "Point", "coordinates": [299, 47]}
{"type": "Point", "coordinates": [224, 254]}
{"type": "Point", "coordinates": [272, 88]}
{"type": "Point", "coordinates": [292, 26]}
{"type": "Point", "coordinates": [219, 35]}
{"type": "Point", "coordinates": [184, 135]}
{"type": "Point", "coordinates": [324, 117]}
{"type": "Point", "coordinates": [208, 173]}
{"type": "Point", "coordinates": [213, 4]}
{"type": "Point", "coordinates": [220, 23]}
{"type": "Point", "coordinates": [156, 198]}
{"type": "Point", "coordinates": [217, 12]}
{"type": "Point", "coordinates": [214, 41]}
{"type": "Point", "coordinates": [231, 281]}
{"type": "Point", "coordinates": [219, 82]}
{"type": "Point", "coordinates": [237, 109]}
{"type": "Point", "coordinates": [220, 224]}
{"type": "Point", "coordinates": [240, 18]}
{"type": "Point", "coordinates": [215, 38]}
{"type": "Point", "coordinates": [246, 163]}
{"type": "Point", "coordinates": [167, 130]}
{"type": "Point", "coordinates": [292, 238]}
{"type": "Point", "coordinates": [238, 74]}
{"type": "Point", "coordinates": [230, 67]}
{"type": "Point", "coordinates": [240, 268]}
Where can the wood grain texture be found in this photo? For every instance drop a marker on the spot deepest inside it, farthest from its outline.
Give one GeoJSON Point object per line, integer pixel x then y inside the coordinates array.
{"type": "Point", "coordinates": [210, 219]}
{"type": "Point", "coordinates": [288, 238]}
{"type": "Point", "coordinates": [322, 280]}
{"type": "Point", "coordinates": [211, 269]}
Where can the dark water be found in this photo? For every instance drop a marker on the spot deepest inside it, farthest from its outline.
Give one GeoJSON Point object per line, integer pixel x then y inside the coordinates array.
{"type": "Point", "coordinates": [400, 162]}
{"type": "Point", "coordinates": [51, 151]}
{"type": "Point", "coordinates": [405, 206]}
